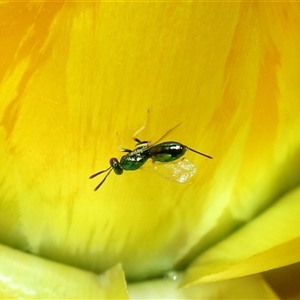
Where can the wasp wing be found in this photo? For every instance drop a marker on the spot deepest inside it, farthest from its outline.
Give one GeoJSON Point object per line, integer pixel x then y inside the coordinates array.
{"type": "Point", "coordinates": [180, 171]}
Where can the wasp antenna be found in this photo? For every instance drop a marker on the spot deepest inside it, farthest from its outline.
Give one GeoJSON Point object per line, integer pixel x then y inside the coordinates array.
{"type": "Point", "coordinates": [203, 154]}
{"type": "Point", "coordinates": [98, 173]}
{"type": "Point", "coordinates": [98, 186]}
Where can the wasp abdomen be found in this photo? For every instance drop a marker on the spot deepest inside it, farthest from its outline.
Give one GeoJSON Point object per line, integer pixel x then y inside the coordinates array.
{"type": "Point", "coordinates": [167, 151]}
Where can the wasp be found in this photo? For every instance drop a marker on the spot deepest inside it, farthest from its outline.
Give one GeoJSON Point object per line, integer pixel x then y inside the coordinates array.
{"type": "Point", "coordinates": [165, 152]}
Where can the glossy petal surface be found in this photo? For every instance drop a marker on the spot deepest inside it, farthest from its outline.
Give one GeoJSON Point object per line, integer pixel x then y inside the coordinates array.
{"type": "Point", "coordinates": [23, 276]}
{"type": "Point", "coordinates": [268, 242]}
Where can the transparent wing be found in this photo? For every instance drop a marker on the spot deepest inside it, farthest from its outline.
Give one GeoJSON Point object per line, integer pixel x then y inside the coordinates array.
{"type": "Point", "coordinates": [180, 171]}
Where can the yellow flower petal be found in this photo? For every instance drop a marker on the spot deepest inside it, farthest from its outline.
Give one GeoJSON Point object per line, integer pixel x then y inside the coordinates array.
{"type": "Point", "coordinates": [76, 73]}
{"type": "Point", "coordinates": [270, 241]}
{"type": "Point", "coordinates": [29, 277]}
{"type": "Point", "coordinates": [251, 287]}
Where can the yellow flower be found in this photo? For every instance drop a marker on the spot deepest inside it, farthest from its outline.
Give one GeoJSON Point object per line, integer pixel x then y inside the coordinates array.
{"type": "Point", "coordinates": [74, 74]}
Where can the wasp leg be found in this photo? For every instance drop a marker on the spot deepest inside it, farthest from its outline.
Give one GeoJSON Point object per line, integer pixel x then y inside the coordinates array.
{"type": "Point", "coordinates": [140, 143]}
{"type": "Point", "coordinates": [125, 150]}
{"type": "Point", "coordinates": [121, 149]}
{"type": "Point", "coordinates": [162, 137]}
{"type": "Point", "coordinates": [140, 129]}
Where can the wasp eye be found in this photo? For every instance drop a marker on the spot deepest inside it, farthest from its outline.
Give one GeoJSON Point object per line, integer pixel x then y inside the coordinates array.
{"type": "Point", "coordinates": [116, 166]}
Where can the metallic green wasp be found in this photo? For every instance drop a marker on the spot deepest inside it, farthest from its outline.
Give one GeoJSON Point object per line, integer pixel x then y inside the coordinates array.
{"type": "Point", "coordinates": [167, 153]}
